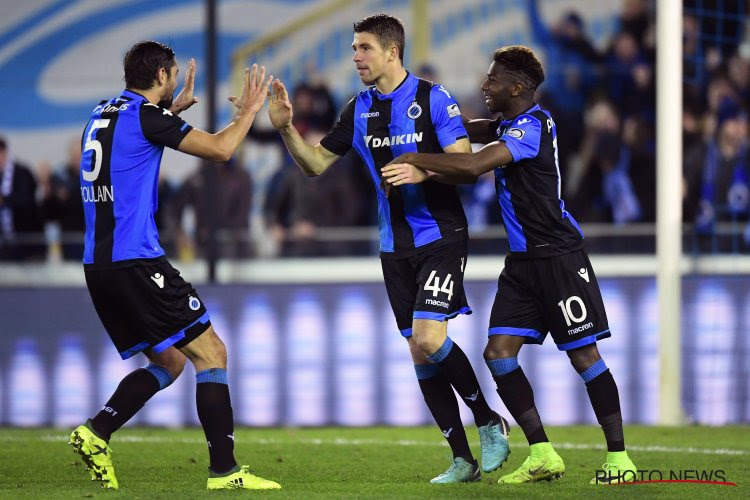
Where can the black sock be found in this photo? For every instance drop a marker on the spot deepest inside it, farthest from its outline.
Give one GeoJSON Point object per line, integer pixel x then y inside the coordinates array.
{"type": "Point", "coordinates": [516, 392]}
{"type": "Point", "coordinates": [605, 399]}
{"type": "Point", "coordinates": [215, 414]}
{"type": "Point", "coordinates": [441, 400]}
{"type": "Point", "coordinates": [456, 366]}
{"type": "Point", "coordinates": [129, 397]}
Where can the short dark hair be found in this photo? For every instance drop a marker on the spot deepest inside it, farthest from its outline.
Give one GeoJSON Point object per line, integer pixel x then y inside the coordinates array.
{"type": "Point", "coordinates": [522, 62]}
{"type": "Point", "coordinates": [142, 63]}
{"type": "Point", "coordinates": [387, 29]}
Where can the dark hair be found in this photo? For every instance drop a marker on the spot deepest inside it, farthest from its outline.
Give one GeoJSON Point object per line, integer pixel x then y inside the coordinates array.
{"type": "Point", "coordinates": [142, 63]}
{"type": "Point", "coordinates": [387, 29]}
{"type": "Point", "coordinates": [522, 63]}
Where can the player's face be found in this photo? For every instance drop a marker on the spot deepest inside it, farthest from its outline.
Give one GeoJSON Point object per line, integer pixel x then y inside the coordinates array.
{"type": "Point", "coordinates": [497, 89]}
{"type": "Point", "coordinates": [370, 58]}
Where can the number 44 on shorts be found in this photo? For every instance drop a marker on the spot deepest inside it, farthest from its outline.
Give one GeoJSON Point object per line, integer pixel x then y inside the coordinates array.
{"type": "Point", "coordinates": [433, 284]}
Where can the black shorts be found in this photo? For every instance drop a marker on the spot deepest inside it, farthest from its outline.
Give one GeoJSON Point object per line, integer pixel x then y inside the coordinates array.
{"type": "Point", "coordinates": [146, 304]}
{"type": "Point", "coordinates": [428, 285]}
{"type": "Point", "coordinates": [554, 294]}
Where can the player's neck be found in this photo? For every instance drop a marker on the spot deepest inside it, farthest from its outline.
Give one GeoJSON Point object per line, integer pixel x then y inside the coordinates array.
{"type": "Point", "coordinates": [388, 82]}
{"type": "Point", "coordinates": [516, 108]}
{"type": "Point", "coordinates": [151, 95]}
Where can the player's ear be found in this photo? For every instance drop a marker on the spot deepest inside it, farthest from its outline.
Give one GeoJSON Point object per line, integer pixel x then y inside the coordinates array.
{"type": "Point", "coordinates": [393, 53]}
{"type": "Point", "coordinates": [517, 89]}
{"type": "Point", "coordinates": [162, 77]}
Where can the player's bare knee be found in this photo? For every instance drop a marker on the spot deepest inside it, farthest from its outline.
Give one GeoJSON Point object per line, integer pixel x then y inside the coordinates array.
{"type": "Point", "coordinates": [171, 360]}
{"type": "Point", "coordinates": [502, 346]}
{"type": "Point", "coordinates": [583, 357]}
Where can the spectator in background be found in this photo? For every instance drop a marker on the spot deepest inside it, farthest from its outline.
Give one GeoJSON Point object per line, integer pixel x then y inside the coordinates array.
{"type": "Point", "coordinates": [220, 195]}
{"type": "Point", "coordinates": [738, 72]}
{"type": "Point", "coordinates": [571, 75]}
{"type": "Point", "coordinates": [623, 64]}
{"type": "Point", "coordinates": [635, 21]}
{"type": "Point", "coordinates": [606, 177]}
{"type": "Point", "coordinates": [716, 174]}
{"type": "Point", "coordinates": [62, 204]}
{"type": "Point", "coordinates": [20, 222]}
{"type": "Point", "coordinates": [297, 206]}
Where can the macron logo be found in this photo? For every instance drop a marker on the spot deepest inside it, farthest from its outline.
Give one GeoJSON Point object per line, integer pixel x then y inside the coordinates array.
{"type": "Point", "coordinates": [473, 397]}
{"type": "Point", "coordinates": [584, 273]}
{"type": "Point", "coordinates": [448, 432]}
{"type": "Point", "coordinates": [394, 140]}
{"type": "Point", "coordinates": [523, 120]}
{"type": "Point", "coordinates": [158, 279]}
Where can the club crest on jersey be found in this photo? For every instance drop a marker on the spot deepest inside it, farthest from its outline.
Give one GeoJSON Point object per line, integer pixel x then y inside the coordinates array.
{"type": "Point", "coordinates": [414, 111]}
{"type": "Point", "coordinates": [515, 133]}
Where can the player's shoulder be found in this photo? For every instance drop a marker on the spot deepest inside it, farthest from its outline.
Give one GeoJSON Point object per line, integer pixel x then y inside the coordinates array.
{"type": "Point", "coordinates": [439, 91]}
{"type": "Point", "coordinates": [150, 108]}
{"type": "Point", "coordinates": [530, 119]}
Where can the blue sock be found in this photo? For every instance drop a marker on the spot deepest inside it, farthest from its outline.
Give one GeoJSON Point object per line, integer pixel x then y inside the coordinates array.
{"type": "Point", "coordinates": [215, 413]}
{"type": "Point", "coordinates": [162, 375]}
{"type": "Point", "coordinates": [593, 371]}
{"type": "Point", "coordinates": [442, 353]}
{"type": "Point", "coordinates": [215, 375]}
{"type": "Point", "coordinates": [502, 366]}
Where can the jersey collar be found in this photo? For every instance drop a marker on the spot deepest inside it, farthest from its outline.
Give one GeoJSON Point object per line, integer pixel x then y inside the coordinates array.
{"type": "Point", "coordinates": [534, 107]}
{"type": "Point", "coordinates": [405, 84]}
{"type": "Point", "coordinates": [133, 95]}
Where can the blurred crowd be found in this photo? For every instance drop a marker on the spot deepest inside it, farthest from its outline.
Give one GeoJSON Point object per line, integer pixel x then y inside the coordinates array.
{"type": "Point", "coordinates": [603, 101]}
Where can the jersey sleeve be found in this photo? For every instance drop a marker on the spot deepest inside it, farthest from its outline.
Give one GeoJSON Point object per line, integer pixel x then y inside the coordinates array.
{"type": "Point", "coordinates": [522, 137]}
{"type": "Point", "coordinates": [446, 116]}
{"type": "Point", "coordinates": [339, 139]}
{"type": "Point", "coordinates": [160, 126]}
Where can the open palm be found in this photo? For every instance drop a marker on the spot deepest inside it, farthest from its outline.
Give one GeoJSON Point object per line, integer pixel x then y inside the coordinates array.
{"type": "Point", "coordinates": [279, 107]}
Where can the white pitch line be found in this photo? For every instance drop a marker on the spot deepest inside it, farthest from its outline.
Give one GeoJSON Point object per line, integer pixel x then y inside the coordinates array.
{"type": "Point", "coordinates": [399, 442]}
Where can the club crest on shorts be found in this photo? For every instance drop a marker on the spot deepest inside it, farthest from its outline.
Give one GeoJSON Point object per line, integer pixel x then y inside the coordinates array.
{"type": "Point", "coordinates": [414, 111]}
{"type": "Point", "coordinates": [194, 303]}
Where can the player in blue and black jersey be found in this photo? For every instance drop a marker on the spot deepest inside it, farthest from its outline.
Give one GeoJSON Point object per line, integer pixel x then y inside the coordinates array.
{"type": "Point", "coordinates": [423, 229]}
{"type": "Point", "coordinates": [142, 301]}
{"type": "Point", "coordinates": [547, 284]}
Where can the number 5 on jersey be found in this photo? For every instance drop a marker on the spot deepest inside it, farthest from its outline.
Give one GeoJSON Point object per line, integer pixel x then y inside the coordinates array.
{"type": "Point", "coordinates": [96, 147]}
{"type": "Point", "coordinates": [435, 288]}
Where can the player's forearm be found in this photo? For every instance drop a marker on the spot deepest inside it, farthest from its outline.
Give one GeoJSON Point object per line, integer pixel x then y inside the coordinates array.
{"type": "Point", "coordinates": [305, 155]}
{"type": "Point", "coordinates": [454, 165]}
{"type": "Point", "coordinates": [231, 136]}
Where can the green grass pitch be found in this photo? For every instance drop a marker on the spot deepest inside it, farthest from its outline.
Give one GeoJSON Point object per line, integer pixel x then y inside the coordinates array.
{"type": "Point", "coordinates": [366, 463]}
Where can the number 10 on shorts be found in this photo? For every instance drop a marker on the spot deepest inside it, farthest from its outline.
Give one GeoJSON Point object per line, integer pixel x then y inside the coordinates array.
{"type": "Point", "coordinates": [447, 286]}
{"type": "Point", "coordinates": [568, 312]}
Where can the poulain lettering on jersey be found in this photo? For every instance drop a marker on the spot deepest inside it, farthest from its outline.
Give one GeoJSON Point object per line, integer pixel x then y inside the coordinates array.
{"type": "Point", "coordinates": [108, 108]}
{"type": "Point", "coordinates": [394, 140]}
{"type": "Point", "coordinates": [96, 194]}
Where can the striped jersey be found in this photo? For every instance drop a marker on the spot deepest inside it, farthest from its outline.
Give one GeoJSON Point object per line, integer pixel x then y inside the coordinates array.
{"type": "Point", "coordinates": [122, 148]}
{"type": "Point", "coordinates": [418, 116]}
{"type": "Point", "coordinates": [528, 188]}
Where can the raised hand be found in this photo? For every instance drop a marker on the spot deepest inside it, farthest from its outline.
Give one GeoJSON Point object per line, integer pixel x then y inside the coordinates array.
{"type": "Point", "coordinates": [185, 98]}
{"type": "Point", "coordinates": [279, 108]}
{"type": "Point", "coordinates": [254, 90]}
